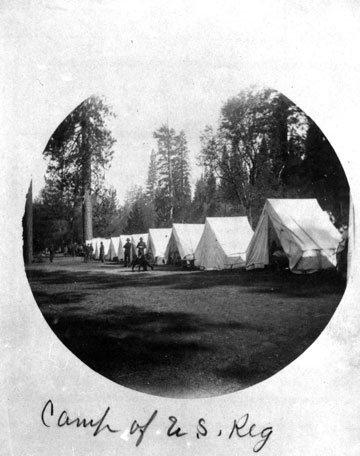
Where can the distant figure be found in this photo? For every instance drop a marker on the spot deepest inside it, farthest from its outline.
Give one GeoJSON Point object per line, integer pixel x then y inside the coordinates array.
{"type": "Point", "coordinates": [91, 252]}
{"type": "Point", "coordinates": [141, 247]}
{"type": "Point", "coordinates": [52, 253]}
{"type": "Point", "coordinates": [127, 250]}
{"type": "Point", "coordinates": [86, 253]}
{"type": "Point", "coordinates": [102, 252]}
{"type": "Point", "coordinates": [342, 252]}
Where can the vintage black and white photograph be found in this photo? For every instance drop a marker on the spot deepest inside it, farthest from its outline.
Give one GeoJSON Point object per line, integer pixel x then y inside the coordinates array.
{"type": "Point", "coordinates": [187, 244]}
{"type": "Point", "coordinates": [179, 219]}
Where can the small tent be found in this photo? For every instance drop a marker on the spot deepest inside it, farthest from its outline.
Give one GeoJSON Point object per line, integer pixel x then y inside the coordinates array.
{"type": "Point", "coordinates": [95, 246]}
{"type": "Point", "coordinates": [183, 241]}
{"type": "Point", "coordinates": [135, 239]}
{"type": "Point", "coordinates": [223, 243]}
{"type": "Point", "coordinates": [301, 228]}
{"type": "Point", "coordinates": [158, 242]}
{"type": "Point", "coordinates": [114, 248]}
{"type": "Point", "coordinates": [107, 243]}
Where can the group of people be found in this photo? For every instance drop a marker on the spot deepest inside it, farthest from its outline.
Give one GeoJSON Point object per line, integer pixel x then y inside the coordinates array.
{"type": "Point", "coordinates": [89, 251]}
{"type": "Point", "coordinates": [73, 249]}
{"type": "Point", "coordinates": [141, 247]}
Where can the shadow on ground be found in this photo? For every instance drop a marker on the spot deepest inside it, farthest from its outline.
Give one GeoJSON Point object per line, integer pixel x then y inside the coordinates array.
{"type": "Point", "coordinates": [281, 281]}
{"type": "Point", "coordinates": [191, 334]}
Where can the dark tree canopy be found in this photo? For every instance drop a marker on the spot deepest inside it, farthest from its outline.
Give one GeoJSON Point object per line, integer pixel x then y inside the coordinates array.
{"type": "Point", "coordinates": [77, 154]}
{"type": "Point", "coordinates": [266, 147]}
{"type": "Point", "coordinates": [81, 147]}
{"type": "Point", "coordinates": [325, 175]}
{"type": "Point", "coordinates": [106, 214]}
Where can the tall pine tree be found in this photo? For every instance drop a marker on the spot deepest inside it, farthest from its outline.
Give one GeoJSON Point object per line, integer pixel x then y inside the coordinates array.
{"type": "Point", "coordinates": [78, 151]}
{"type": "Point", "coordinates": [181, 178]}
{"type": "Point", "coordinates": [173, 195]}
{"type": "Point", "coordinates": [152, 179]}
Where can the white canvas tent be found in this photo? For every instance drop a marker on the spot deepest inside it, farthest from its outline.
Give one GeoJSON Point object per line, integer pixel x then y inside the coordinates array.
{"type": "Point", "coordinates": [223, 243]}
{"type": "Point", "coordinates": [107, 243]}
{"type": "Point", "coordinates": [301, 228]}
{"type": "Point", "coordinates": [158, 242]}
{"type": "Point", "coordinates": [183, 241]}
{"type": "Point", "coordinates": [135, 239]}
{"type": "Point", "coordinates": [114, 248]}
{"type": "Point", "coordinates": [94, 244]}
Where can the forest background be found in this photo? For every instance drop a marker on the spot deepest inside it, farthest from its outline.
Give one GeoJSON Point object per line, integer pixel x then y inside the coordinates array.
{"type": "Point", "coordinates": [263, 146]}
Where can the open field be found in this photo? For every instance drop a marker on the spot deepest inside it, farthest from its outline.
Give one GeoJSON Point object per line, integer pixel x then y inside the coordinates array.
{"type": "Point", "coordinates": [183, 333]}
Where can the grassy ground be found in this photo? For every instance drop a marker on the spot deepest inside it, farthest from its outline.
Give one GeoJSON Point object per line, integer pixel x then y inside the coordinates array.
{"type": "Point", "coordinates": [183, 333]}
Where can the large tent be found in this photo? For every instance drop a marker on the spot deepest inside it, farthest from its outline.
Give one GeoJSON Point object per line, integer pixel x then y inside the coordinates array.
{"type": "Point", "coordinates": [183, 241]}
{"type": "Point", "coordinates": [223, 243]}
{"type": "Point", "coordinates": [158, 242]}
{"type": "Point", "coordinates": [301, 228]}
{"type": "Point", "coordinates": [135, 239]}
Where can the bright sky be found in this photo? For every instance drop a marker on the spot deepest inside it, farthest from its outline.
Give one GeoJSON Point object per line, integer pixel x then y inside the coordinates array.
{"type": "Point", "coordinates": [157, 61]}
{"type": "Point", "coordinates": [181, 100]}
{"type": "Point", "coordinates": [187, 97]}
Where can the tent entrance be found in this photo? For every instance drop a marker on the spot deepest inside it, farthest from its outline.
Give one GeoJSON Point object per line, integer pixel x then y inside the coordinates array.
{"type": "Point", "coordinates": [273, 239]}
{"type": "Point", "coordinates": [174, 257]}
{"type": "Point", "coordinates": [277, 258]}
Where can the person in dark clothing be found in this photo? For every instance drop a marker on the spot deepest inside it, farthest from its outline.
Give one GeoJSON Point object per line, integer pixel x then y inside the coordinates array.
{"type": "Point", "coordinates": [86, 253]}
{"type": "Point", "coordinates": [141, 247]}
{"type": "Point", "coordinates": [102, 252]}
{"type": "Point", "coordinates": [52, 253]}
{"type": "Point", "coordinates": [127, 250]}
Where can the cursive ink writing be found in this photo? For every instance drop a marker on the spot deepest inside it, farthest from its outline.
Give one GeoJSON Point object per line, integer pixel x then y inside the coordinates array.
{"type": "Point", "coordinates": [177, 432]}
{"type": "Point", "coordinates": [142, 429]}
{"type": "Point", "coordinates": [64, 420]}
{"type": "Point", "coordinates": [239, 426]}
{"type": "Point", "coordinates": [201, 429]}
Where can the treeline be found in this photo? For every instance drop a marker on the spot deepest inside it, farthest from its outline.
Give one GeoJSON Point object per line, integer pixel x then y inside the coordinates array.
{"type": "Point", "coordinates": [262, 147]}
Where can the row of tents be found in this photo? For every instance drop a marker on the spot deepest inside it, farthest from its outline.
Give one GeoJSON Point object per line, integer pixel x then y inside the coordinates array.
{"type": "Point", "coordinates": [299, 227]}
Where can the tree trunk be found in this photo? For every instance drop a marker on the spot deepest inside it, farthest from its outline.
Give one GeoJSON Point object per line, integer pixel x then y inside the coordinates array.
{"type": "Point", "coordinates": [87, 216]}
{"type": "Point", "coordinates": [86, 178]}
{"type": "Point", "coordinates": [171, 189]}
{"type": "Point", "coordinates": [28, 228]}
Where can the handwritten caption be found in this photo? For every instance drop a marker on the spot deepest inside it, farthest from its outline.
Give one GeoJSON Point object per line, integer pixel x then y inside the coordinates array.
{"type": "Point", "coordinates": [239, 428]}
